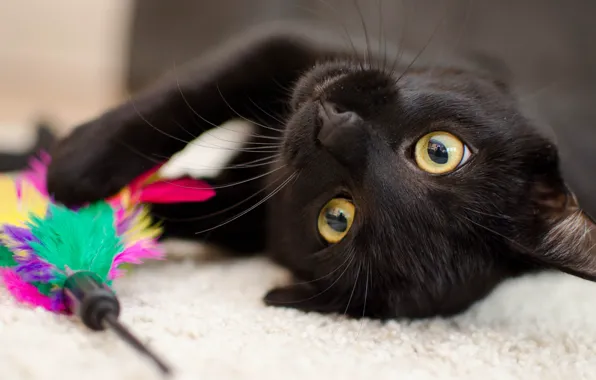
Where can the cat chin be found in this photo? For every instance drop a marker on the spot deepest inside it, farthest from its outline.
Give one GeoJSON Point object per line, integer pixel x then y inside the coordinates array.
{"type": "Point", "coordinates": [318, 79]}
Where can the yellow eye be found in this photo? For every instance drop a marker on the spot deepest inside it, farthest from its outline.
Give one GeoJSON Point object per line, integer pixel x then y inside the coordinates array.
{"type": "Point", "coordinates": [335, 219]}
{"type": "Point", "coordinates": [440, 153]}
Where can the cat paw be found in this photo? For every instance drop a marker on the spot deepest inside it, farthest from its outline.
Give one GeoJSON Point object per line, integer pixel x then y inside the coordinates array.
{"type": "Point", "coordinates": [300, 296]}
{"type": "Point", "coordinates": [88, 166]}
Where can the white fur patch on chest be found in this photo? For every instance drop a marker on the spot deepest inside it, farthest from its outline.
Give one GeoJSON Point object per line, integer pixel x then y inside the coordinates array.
{"type": "Point", "coordinates": [207, 155]}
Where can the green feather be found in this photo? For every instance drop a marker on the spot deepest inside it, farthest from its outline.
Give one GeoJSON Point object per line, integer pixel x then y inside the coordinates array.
{"type": "Point", "coordinates": [7, 261]}
{"type": "Point", "coordinates": [6, 258]}
{"type": "Point", "coordinates": [85, 239]}
{"type": "Point", "coordinates": [45, 289]}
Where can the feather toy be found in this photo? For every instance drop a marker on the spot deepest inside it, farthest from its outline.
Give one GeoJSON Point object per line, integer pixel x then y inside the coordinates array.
{"type": "Point", "coordinates": [65, 260]}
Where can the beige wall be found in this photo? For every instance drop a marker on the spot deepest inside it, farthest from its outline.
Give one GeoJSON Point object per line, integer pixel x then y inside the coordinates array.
{"type": "Point", "coordinates": [61, 57]}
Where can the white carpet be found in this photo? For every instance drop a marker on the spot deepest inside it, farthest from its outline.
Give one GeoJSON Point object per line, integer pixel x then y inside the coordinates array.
{"type": "Point", "coordinates": [207, 318]}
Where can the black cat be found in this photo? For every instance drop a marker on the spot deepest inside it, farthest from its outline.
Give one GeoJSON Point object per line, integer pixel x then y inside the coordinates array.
{"type": "Point", "coordinates": [388, 193]}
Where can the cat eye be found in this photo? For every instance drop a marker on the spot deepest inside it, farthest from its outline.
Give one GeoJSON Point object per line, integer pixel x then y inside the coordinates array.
{"type": "Point", "coordinates": [335, 220]}
{"type": "Point", "coordinates": [440, 153]}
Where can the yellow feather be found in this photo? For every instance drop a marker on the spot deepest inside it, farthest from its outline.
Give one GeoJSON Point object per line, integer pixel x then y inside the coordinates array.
{"type": "Point", "coordinates": [142, 228]}
{"type": "Point", "coordinates": [17, 210]}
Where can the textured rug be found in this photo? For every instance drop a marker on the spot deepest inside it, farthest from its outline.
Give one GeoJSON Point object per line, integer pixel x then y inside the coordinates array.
{"type": "Point", "coordinates": [206, 317]}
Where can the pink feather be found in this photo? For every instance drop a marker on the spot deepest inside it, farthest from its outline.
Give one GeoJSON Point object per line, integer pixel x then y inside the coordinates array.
{"type": "Point", "coordinates": [161, 191]}
{"type": "Point", "coordinates": [135, 254]}
{"type": "Point", "coordinates": [24, 292]}
{"type": "Point", "coordinates": [177, 191]}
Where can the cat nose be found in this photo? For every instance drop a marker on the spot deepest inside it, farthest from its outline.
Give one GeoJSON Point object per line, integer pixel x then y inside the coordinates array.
{"type": "Point", "coordinates": [334, 120]}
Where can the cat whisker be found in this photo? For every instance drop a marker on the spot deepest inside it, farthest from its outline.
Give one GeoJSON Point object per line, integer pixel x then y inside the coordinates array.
{"type": "Point", "coordinates": [287, 90]}
{"type": "Point", "coordinates": [190, 107]}
{"type": "Point", "coordinates": [278, 140]}
{"type": "Point", "coordinates": [587, 234]}
{"type": "Point", "coordinates": [224, 210]}
{"type": "Point", "coordinates": [523, 248]}
{"type": "Point", "coordinates": [268, 114]}
{"type": "Point", "coordinates": [262, 149]}
{"type": "Point", "coordinates": [248, 164]}
{"type": "Point", "coordinates": [345, 29]}
{"type": "Point", "coordinates": [192, 135]}
{"type": "Point", "coordinates": [345, 313]}
{"type": "Point", "coordinates": [259, 147]}
{"type": "Point", "coordinates": [487, 214]}
{"type": "Point", "coordinates": [273, 148]}
{"type": "Point", "coordinates": [145, 156]}
{"type": "Point", "coordinates": [268, 148]}
{"type": "Point", "coordinates": [382, 41]}
{"type": "Point", "coordinates": [263, 161]}
{"type": "Point", "coordinates": [245, 143]}
{"type": "Point", "coordinates": [210, 131]}
{"type": "Point", "coordinates": [242, 117]}
{"type": "Point", "coordinates": [264, 144]}
{"type": "Point", "coordinates": [208, 121]}
{"type": "Point", "coordinates": [192, 143]}
{"type": "Point", "coordinates": [353, 289]}
{"type": "Point", "coordinates": [368, 57]}
{"type": "Point", "coordinates": [426, 45]}
{"type": "Point", "coordinates": [352, 256]}
{"type": "Point", "coordinates": [325, 276]}
{"type": "Point", "coordinates": [460, 34]}
{"type": "Point", "coordinates": [277, 190]}
{"type": "Point", "coordinates": [402, 37]}
{"type": "Point", "coordinates": [227, 185]}
{"type": "Point", "coordinates": [253, 165]}
{"type": "Point", "coordinates": [365, 299]}
{"type": "Point", "coordinates": [255, 135]}
{"type": "Point", "coordinates": [154, 127]}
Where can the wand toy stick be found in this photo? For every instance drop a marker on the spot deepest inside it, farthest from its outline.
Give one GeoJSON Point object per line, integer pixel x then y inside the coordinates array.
{"type": "Point", "coordinates": [65, 260]}
{"type": "Point", "coordinates": [98, 308]}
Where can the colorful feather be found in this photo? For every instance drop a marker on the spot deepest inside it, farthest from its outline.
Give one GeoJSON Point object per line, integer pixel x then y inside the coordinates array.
{"type": "Point", "coordinates": [43, 242]}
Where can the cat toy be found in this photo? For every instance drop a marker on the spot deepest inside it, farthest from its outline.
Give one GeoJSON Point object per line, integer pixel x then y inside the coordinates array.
{"type": "Point", "coordinates": [66, 259]}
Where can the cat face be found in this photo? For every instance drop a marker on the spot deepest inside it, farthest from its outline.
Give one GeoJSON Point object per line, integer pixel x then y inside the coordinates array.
{"type": "Point", "coordinates": [416, 194]}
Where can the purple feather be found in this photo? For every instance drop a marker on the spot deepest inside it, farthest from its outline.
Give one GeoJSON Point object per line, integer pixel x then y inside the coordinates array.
{"type": "Point", "coordinates": [21, 237]}
{"type": "Point", "coordinates": [35, 270]}
{"type": "Point", "coordinates": [29, 267]}
{"type": "Point", "coordinates": [58, 300]}
{"type": "Point", "coordinates": [124, 222]}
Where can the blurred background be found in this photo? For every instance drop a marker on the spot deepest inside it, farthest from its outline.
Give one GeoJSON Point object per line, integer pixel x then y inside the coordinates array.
{"type": "Point", "coordinates": [70, 59]}
{"type": "Point", "coordinates": [61, 58]}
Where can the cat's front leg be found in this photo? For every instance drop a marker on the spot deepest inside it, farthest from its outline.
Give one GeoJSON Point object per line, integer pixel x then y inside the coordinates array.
{"type": "Point", "coordinates": [367, 300]}
{"type": "Point", "coordinates": [249, 77]}
{"type": "Point", "coordinates": [304, 297]}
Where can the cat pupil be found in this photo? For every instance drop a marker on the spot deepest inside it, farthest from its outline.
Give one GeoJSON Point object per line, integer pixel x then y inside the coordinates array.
{"type": "Point", "coordinates": [437, 151]}
{"type": "Point", "coordinates": [337, 220]}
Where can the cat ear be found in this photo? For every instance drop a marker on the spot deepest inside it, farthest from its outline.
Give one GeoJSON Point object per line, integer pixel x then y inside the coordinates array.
{"type": "Point", "coordinates": [569, 242]}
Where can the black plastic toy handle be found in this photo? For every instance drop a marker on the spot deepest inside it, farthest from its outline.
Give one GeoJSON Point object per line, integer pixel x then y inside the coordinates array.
{"type": "Point", "coordinates": [98, 308]}
{"type": "Point", "coordinates": [90, 299]}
